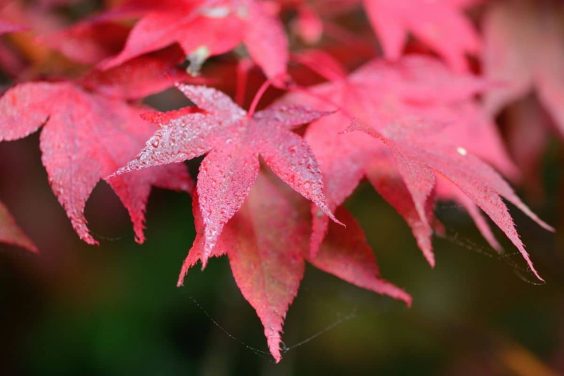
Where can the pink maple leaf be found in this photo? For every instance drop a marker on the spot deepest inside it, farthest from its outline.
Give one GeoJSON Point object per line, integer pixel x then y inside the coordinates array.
{"type": "Point", "coordinates": [85, 137]}
{"type": "Point", "coordinates": [267, 253]}
{"type": "Point", "coordinates": [411, 103]}
{"type": "Point", "coordinates": [421, 164]}
{"type": "Point", "coordinates": [524, 50]}
{"type": "Point", "coordinates": [88, 42]}
{"type": "Point", "coordinates": [233, 140]}
{"type": "Point", "coordinates": [152, 73]}
{"type": "Point", "coordinates": [207, 28]}
{"type": "Point", "coordinates": [440, 24]}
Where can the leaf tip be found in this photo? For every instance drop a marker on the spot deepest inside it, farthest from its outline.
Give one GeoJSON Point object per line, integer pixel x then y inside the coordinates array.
{"type": "Point", "coordinates": [204, 261]}
{"type": "Point", "coordinates": [334, 219]}
{"type": "Point", "coordinates": [328, 212]}
{"type": "Point", "coordinates": [139, 237]}
{"type": "Point", "coordinates": [535, 272]}
{"type": "Point", "coordinates": [90, 240]}
{"type": "Point", "coordinates": [547, 227]}
{"type": "Point", "coordinates": [180, 281]}
{"type": "Point", "coordinates": [387, 288]}
{"type": "Point", "coordinates": [274, 345]}
{"type": "Point", "coordinates": [430, 257]}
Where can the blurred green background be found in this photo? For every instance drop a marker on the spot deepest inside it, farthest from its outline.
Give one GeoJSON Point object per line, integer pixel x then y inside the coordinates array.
{"type": "Point", "coordinates": [115, 310]}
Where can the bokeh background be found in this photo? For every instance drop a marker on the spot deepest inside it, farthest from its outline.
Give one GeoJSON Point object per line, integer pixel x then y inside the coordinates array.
{"type": "Point", "coordinates": [115, 310]}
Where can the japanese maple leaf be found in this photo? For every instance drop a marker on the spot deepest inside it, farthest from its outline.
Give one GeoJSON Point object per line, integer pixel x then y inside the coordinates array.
{"type": "Point", "coordinates": [85, 137]}
{"type": "Point", "coordinates": [440, 24]}
{"type": "Point", "coordinates": [88, 42]}
{"type": "Point", "coordinates": [424, 164]}
{"type": "Point", "coordinates": [140, 77]}
{"type": "Point", "coordinates": [524, 50]}
{"type": "Point", "coordinates": [10, 233]}
{"type": "Point", "coordinates": [417, 93]}
{"type": "Point", "coordinates": [206, 28]}
{"type": "Point", "coordinates": [267, 246]}
{"type": "Point", "coordinates": [233, 140]}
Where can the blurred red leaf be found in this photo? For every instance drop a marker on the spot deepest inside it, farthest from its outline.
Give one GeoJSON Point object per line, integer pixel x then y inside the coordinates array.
{"type": "Point", "coordinates": [86, 137]}
{"type": "Point", "coordinates": [205, 29]}
{"type": "Point", "coordinates": [524, 50]}
{"type": "Point", "coordinates": [441, 24]}
{"type": "Point", "coordinates": [10, 233]}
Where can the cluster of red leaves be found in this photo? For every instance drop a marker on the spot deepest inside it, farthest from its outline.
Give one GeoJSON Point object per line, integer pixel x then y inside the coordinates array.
{"type": "Point", "coordinates": [420, 127]}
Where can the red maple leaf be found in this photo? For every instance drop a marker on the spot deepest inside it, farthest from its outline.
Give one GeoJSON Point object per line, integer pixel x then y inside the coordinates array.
{"type": "Point", "coordinates": [233, 140]}
{"type": "Point", "coordinates": [85, 137]}
{"type": "Point", "coordinates": [410, 106]}
{"type": "Point", "coordinates": [424, 164]}
{"type": "Point", "coordinates": [88, 42]}
{"type": "Point", "coordinates": [524, 49]}
{"type": "Point", "coordinates": [207, 28]}
{"type": "Point", "coordinates": [267, 246]}
{"type": "Point", "coordinates": [10, 233]}
{"type": "Point", "coordinates": [440, 24]}
{"type": "Point", "coordinates": [152, 73]}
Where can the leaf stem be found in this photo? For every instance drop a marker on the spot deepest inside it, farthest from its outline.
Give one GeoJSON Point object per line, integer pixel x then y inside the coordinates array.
{"type": "Point", "coordinates": [258, 97]}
